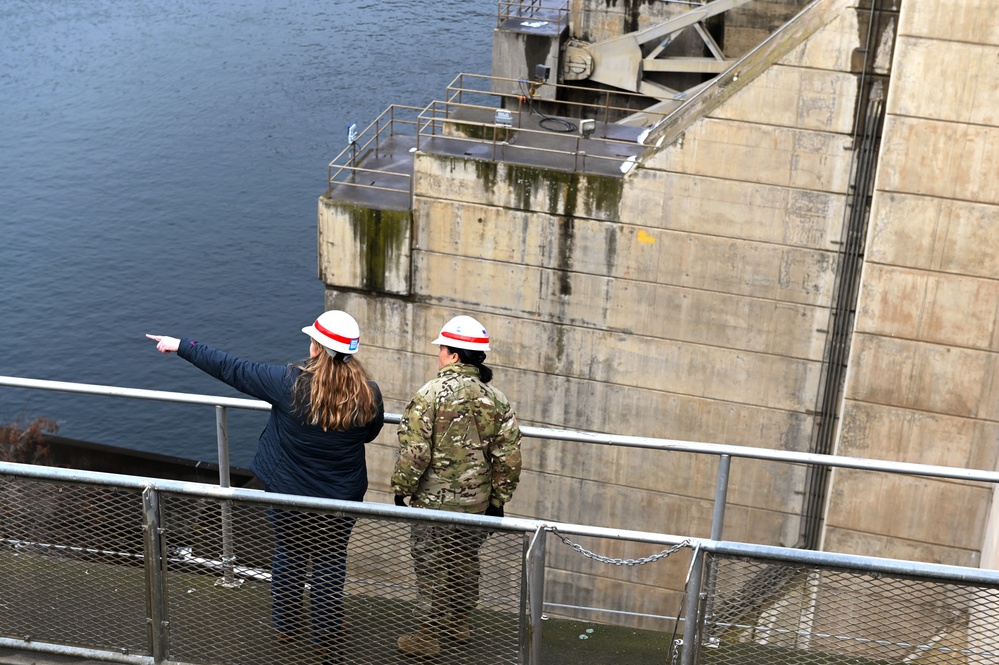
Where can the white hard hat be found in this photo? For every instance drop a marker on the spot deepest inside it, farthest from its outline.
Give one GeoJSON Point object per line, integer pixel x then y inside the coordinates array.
{"type": "Point", "coordinates": [335, 331]}
{"type": "Point", "coordinates": [463, 332]}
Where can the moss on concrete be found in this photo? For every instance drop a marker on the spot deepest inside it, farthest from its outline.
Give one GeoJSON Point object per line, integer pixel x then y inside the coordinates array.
{"type": "Point", "coordinates": [486, 173]}
{"type": "Point", "coordinates": [572, 194]}
{"type": "Point", "coordinates": [382, 236]}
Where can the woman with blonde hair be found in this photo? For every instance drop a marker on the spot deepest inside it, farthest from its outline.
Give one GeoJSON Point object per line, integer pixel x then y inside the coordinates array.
{"type": "Point", "coordinates": [322, 413]}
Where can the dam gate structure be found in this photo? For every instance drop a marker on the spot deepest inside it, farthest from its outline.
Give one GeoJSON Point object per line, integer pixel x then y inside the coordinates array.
{"type": "Point", "coordinates": [791, 246]}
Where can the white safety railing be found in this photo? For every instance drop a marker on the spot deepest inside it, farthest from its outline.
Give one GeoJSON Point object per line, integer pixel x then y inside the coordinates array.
{"type": "Point", "coordinates": [139, 554]}
{"type": "Point", "coordinates": [747, 597]}
{"type": "Point", "coordinates": [724, 452]}
{"type": "Point", "coordinates": [345, 169]}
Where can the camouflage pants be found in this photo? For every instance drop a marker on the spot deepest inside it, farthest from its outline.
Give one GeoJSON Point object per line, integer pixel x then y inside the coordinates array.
{"type": "Point", "coordinates": [446, 562]}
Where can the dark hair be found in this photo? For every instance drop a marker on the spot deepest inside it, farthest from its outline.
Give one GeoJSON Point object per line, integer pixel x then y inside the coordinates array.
{"type": "Point", "coordinates": [476, 358]}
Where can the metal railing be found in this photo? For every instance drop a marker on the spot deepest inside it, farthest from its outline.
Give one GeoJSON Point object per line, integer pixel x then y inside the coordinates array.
{"type": "Point", "coordinates": [480, 90]}
{"type": "Point", "coordinates": [739, 599]}
{"type": "Point", "coordinates": [132, 569]}
{"type": "Point", "coordinates": [127, 569]}
{"type": "Point", "coordinates": [343, 170]}
{"type": "Point", "coordinates": [437, 121]}
{"type": "Point", "coordinates": [724, 452]}
{"type": "Point", "coordinates": [535, 10]}
{"type": "Point", "coordinates": [467, 115]}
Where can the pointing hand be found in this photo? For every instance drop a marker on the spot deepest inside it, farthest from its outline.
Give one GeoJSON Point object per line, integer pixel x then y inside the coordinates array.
{"type": "Point", "coordinates": [165, 344]}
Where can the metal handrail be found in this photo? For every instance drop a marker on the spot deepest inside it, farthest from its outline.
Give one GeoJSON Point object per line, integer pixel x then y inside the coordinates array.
{"type": "Point", "coordinates": [529, 9]}
{"type": "Point", "coordinates": [444, 118]}
{"type": "Point", "coordinates": [134, 393]}
{"type": "Point", "coordinates": [720, 450]}
{"type": "Point", "coordinates": [434, 122]}
{"type": "Point", "coordinates": [345, 165]}
{"type": "Point", "coordinates": [515, 524]}
{"type": "Point", "coordinates": [465, 91]}
{"type": "Point", "coordinates": [552, 434]}
{"type": "Point", "coordinates": [356, 169]}
{"type": "Point", "coordinates": [372, 135]}
{"type": "Point", "coordinates": [462, 84]}
{"type": "Point", "coordinates": [533, 562]}
{"type": "Point", "coordinates": [229, 496]}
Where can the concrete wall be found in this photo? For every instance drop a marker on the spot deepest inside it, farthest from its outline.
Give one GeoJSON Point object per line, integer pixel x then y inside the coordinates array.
{"type": "Point", "coordinates": [691, 300]}
{"type": "Point", "coordinates": [597, 20]}
{"type": "Point", "coordinates": [748, 25]}
{"type": "Point", "coordinates": [380, 244]}
{"type": "Point", "coordinates": [561, 297]}
{"type": "Point", "coordinates": [517, 54]}
{"type": "Point", "coordinates": [753, 195]}
{"type": "Point", "coordinates": [923, 382]}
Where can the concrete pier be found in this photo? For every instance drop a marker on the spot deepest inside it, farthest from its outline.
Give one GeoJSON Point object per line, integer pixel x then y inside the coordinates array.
{"type": "Point", "coordinates": [705, 293]}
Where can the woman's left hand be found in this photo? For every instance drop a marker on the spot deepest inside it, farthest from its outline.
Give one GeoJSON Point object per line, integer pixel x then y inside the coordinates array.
{"type": "Point", "coordinates": [165, 344]}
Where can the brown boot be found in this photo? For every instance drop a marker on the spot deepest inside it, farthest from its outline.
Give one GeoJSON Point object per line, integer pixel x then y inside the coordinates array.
{"type": "Point", "coordinates": [457, 627]}
{"type": "Point", "coordinates": [423, 643]}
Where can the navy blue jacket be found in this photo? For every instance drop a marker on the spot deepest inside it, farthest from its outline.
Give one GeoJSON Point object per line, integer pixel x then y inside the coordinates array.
{"type": "Point", "coordinates": [293, 457]}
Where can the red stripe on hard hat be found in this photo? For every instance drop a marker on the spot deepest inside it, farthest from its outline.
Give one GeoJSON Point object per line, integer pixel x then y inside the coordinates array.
{"type": "Point", "coordinates": [465, 338]}
{"type": "Point", "coordinates": [332, 335]}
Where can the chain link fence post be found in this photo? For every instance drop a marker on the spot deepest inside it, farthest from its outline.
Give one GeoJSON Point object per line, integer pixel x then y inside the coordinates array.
{"type": "Point", "coordinates": [721, 496]}
{"type": "Point", "coordinates": [155, 562]}
{"type": "Point", "coordinates": [534, 574]}
{"type": "Point", "coordinates": [692, 604]}
{"type": "Point", "coordinates": [228, 557]}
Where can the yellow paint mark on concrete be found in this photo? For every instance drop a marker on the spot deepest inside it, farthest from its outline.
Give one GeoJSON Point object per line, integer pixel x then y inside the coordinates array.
{"type": "Point", "coordinates": [645, 237]}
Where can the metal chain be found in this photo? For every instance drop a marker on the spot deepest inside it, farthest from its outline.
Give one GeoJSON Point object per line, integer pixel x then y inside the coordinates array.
{"type": "Point", "coordinates": [620, 562]}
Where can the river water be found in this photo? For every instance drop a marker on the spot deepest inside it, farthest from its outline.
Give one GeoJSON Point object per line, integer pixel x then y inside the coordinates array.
{"type": "Point", "coordinates": [160, 164]}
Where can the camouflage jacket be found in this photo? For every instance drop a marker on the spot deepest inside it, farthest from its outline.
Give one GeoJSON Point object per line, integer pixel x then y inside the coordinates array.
{"type": "Point", "coordinates": [459, 444]}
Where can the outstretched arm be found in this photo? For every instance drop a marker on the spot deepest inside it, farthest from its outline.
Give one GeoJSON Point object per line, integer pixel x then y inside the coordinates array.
{"type": "Point", "coordinates": [165, 344]}
{"type": "Point", "coordinates": [266, 382]}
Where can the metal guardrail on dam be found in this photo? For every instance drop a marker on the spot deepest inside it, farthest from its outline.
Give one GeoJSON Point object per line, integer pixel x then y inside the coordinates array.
{"type": "Point", "coordinates": [531, 10]}
{"type": "Point", "coordinates": [377, 159]}
{"type": "Point", "coordinates": [130, 570]}
{"type": "Point", "coordinates": [724, 452]}
{"type": "Point", "coordinates": [142, 570]}
{"type": "Point", "coordinates": [395, 121]}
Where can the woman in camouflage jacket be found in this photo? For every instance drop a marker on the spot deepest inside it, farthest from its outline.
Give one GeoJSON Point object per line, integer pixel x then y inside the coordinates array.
{"type": "Point", "coordinates": [459, 450]}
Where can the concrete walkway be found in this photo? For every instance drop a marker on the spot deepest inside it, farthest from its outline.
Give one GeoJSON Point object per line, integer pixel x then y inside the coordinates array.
{"type": "Point", "coordinates": [15, 657]}
{"type": "Point", "coordinates": [565, 643]}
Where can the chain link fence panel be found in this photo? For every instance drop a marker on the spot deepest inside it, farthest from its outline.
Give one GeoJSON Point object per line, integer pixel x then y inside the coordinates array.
{"type": "Point", "coordinates": [72, 566]}
{"type": "Point", "coordinates": [760, 611]}
{"type": "Point", "coordinates": [191, 576]}
{"type": "Point", "coordinates": [298, 586]}
{"type": "Point", "coordinates": [612, 599]}
{"type": "Point", "coordinates": [313, 585]}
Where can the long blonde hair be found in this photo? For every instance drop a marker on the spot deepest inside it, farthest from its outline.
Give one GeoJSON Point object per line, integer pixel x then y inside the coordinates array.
{"type": "Point", "coordinates": [333, 393]}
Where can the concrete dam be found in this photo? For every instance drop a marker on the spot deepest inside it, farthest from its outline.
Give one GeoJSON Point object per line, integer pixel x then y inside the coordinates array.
{"type": "Point", "coordinates": [774, 225]}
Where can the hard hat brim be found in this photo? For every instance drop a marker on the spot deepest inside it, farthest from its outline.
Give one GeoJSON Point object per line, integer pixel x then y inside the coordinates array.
{"type": "Point", "coordinates": [457, 344]}
{"type": "Point", "coordinates": [330, 345]}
